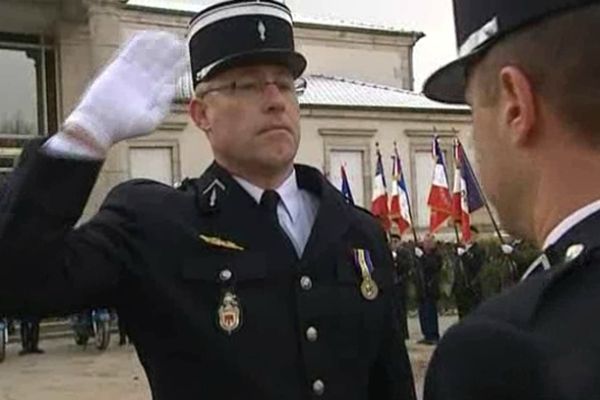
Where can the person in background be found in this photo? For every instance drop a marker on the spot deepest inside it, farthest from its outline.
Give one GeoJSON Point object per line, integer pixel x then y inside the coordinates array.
{"type": "Point", "coordinates": [467, 283]}
{"type": "Point", "coordinates": [403, 259]}
{"type": "Point", "coordinates": [30, 336]}
{"type": "Point", "coordinates": [428, 267]}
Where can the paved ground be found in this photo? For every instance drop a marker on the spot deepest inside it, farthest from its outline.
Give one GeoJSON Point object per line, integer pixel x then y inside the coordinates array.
{"type": "Point", "coordinates": [66, 372]}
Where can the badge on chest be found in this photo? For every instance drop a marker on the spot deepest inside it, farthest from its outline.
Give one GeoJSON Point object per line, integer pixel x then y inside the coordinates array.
{"type": "Point", "coordinates": [229, 311]}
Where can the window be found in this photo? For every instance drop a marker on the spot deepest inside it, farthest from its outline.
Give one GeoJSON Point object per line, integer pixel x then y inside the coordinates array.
{"type": "Point", "coordinates": [351, 148]}
{"type": "Point", "coordinates": [352, 160]}
{"type": "Point", "coordinates": [154, 163]}
{"type": "Point", "coordinates": [28, 101]}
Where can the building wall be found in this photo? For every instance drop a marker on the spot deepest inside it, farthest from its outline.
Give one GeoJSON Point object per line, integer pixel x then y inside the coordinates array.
{"type": "Point", "coordinates": [383, 58]}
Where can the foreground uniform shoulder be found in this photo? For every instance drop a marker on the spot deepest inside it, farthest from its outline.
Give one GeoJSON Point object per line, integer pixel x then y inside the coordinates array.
{"type": "Point", "coordinates": [483, 358]}
{"type": "Point", "coordinates": [362, 210]}
{"type": "Point", "coordinates": [516, 305]}
{"type": "Point", "coordinates": [362, 214]}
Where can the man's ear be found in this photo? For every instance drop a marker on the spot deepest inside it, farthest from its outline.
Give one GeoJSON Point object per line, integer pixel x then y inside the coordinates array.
{"type": "Point", "coordinates": [518, 104]}
{"type": "Point", "coordinates": [199, 113]}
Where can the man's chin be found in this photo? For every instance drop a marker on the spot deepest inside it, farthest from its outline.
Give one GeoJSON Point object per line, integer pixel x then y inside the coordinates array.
{"type": "Point", "coordinates": [276, 162]}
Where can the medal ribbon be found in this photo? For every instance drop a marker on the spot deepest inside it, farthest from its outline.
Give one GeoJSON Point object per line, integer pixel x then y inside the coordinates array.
{"type": "Point", "coordinates": [362, 260]}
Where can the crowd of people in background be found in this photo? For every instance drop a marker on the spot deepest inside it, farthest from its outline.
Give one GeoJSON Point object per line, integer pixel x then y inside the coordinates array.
{"type": "Point", "coordinates": [434, 272]}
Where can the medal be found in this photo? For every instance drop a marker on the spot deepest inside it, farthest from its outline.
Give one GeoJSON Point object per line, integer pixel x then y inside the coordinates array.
{"type": "Point", "coordinates": [230, 314]}
{"type": "Point", "coordinates": [369, 289]}
{"type": "Point", "coordinates": [368, 286]}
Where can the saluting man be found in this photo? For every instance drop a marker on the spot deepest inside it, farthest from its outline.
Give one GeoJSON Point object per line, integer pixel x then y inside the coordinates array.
{"type": "Point", "coordinates": [267, 284]}
{"type": "Point", "coordinates": [529, 70]}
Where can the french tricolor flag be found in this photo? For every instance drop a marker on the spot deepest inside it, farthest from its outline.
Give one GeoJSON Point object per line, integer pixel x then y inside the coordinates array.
{"type": "Point", "coordinates": [399, 203]}
{"type": "Point", "coordinates": [439, 201]}
{"type": "Point", "coordinates": [466, 196]}
{"type": "Point", "coordinates": [379, 205]}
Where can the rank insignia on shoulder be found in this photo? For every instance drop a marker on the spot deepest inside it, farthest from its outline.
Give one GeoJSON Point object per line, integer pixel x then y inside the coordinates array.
{"type": "Point", "coordinates": [219, 242]}
{"type": "Point", "coordinates": [229, 313]}
{"type": "Point", "coordinates": [364, 264]}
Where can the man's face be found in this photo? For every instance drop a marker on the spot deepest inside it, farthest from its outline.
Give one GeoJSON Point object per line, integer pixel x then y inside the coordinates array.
{"type": "Point", "coordinates": [251, 125]}
{"type": "Point", "coordinates": [395, 243]}
{"type": "Point", "coordinates": [501, 170]}
{"type": "Point", "coordinates": [429, 242]}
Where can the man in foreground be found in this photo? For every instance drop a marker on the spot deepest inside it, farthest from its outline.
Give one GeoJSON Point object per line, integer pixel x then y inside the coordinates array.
{"type": "Point", "coordinates": [529, 70]}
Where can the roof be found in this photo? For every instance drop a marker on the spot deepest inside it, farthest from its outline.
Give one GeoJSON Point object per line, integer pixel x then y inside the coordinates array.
{"type": "Point", "coordinates": [323, 90]}
{"type": "Point", "coordinates": [192, 7]}
{"type": "Point", "coordinates": [333, 91]}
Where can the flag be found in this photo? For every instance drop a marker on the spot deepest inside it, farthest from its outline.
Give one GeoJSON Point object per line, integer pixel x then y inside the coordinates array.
{"type": "Point", "coordinates": [346, 187]}
{"type": "Point", "coordinates": [469, 196]}
{"type": "Point", "coordinates": [399, 203]}
{"type": "Point", "coordinates": [379, 204]}
{"type": "Point", "coordinates": [439, 200]}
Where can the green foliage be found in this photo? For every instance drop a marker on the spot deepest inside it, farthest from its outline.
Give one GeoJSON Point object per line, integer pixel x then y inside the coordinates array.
{"type": "Point", "coordinates": [495, 275]}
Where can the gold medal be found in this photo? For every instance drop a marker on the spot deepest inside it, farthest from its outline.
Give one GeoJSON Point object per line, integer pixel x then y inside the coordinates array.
{"type": "Point", "coordinates": [230, 314]}
{"type": "Point", "coordinates": [368, 286]}
{"type": "Point", "coordinates": [369, 289]}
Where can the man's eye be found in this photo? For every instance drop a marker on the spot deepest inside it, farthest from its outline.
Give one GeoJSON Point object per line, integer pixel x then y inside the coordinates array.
{"type": "Point", "coordinates": [285, 86]}
{"type": "Point", "coordinates": [247, 86]}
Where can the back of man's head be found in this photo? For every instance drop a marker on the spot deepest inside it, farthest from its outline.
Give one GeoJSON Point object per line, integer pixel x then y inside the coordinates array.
{"type": "Point", "coordinates": [561, 57]}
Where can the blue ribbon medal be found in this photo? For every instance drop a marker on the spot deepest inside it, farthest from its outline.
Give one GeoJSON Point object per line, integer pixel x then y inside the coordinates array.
{"type": "Point", "coordinates": [368, 286]}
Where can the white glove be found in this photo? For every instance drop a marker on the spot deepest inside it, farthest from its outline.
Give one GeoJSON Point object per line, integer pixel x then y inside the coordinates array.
{"type": "Point", "coordinates": [133, 94]}
{"type": "Point", "coordinates": [460, 251]}
{"type": "Point", "coordinates": [418, 252]}
{"type": "Point", "coordinates": [507, 249]}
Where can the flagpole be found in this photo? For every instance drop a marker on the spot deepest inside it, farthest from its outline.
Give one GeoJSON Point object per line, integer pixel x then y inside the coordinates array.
{"type": "Point", "coordinates": [513, 266]}
{"type": "Point", "coordinates": [485, 201]}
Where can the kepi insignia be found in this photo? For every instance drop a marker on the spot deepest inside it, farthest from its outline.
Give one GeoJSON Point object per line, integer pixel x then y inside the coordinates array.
{"type": "Point", "coordinates": [262, 30]}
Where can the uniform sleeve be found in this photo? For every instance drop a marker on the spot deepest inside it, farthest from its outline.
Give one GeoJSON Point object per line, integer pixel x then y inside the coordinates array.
{"type": "Point", "coordinates": [484, 359]}
{"type": "Point", "coordinates": [47, 267]}
{"type": "Point", "coordinates": [391, 375]}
